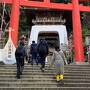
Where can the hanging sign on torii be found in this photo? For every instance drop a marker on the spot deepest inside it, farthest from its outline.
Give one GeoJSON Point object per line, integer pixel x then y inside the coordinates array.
{"type": "Point", "coordinates": [9, 51]}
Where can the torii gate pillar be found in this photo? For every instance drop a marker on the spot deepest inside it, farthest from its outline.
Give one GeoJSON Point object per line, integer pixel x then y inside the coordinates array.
{"type": "Point", "coordinates": [14, 21]}
{"type": "Point", "coordinates": [77, 33]}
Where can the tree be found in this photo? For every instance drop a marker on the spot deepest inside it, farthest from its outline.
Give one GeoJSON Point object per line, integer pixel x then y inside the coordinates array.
{"type": "Point", "coordinates": [60, 1]}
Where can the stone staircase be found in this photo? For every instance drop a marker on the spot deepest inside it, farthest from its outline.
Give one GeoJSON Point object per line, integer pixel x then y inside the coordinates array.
{"type": "Point", "coordinates": [77, 77]}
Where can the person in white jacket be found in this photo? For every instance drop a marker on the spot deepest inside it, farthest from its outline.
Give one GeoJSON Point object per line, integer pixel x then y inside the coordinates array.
{"type": "Point", "coordinates": [58, 59]}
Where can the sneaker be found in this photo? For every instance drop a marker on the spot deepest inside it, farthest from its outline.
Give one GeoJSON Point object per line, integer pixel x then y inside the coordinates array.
{"type": "Point", "coordinates": [36, 63]}
{"type": "Point", "coordinates": [18, 77]}
{"type": "Point", "coordinates": [61, 82]}
{"type": "Point", "coordinates": [57, 78]}
{"type": "Point", "coordinates": [42, 69]}
{"type": "Point", "coordinates": [20, 73]}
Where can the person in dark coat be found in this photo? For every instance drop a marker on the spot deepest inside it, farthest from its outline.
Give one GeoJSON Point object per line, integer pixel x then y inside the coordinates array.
{"type": "Point", "coordinates": [33, 52]}
{"type": "Point", "coordinates": [19, 55]}
{"type": "Point", "coordinates": [43, 52]}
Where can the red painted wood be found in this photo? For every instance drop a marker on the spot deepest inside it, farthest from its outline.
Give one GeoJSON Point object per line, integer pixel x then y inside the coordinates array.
{"type": "Point", "coordinates": [46, 5]}
{"type": "Point", "coordinates": [84, 0]}
{"type": "Point", "coordinates": [6, 1]}
{"type": "Point", "coordinates": [84, 8]}
{"type": "Point", "coordinates": [47, 1]}
{"type": "Point", "coordinates": [14, 21]}
{"type": "Point", "coordinates": [77, 33]}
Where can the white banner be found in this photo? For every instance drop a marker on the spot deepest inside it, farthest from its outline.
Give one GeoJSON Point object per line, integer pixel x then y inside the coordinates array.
{"type": "Point", "coordinates": [9, 53]}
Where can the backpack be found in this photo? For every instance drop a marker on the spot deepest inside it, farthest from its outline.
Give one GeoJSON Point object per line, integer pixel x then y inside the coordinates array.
{"type": "Point", "coordinates": [33, 48]}
{"type": "Point", "coordinates": [42, 49]}
{"type": "Point", "coordinates": [19, 51]}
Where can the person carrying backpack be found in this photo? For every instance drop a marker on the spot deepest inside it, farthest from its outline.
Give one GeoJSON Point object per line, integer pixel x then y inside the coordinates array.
{"type": "Point", "coordinates": [33, 52]}
{"type": "Point", "coordinates": [19, 55]}
{"type": "Point", "coordinates": [43, 52]}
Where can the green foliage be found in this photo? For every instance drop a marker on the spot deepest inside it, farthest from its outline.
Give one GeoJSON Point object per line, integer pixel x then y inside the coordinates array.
{"type": "Point", "coordinates": [23, 26]}
{"type": "Point", "coordinates": [85, 32]}
{"type": "Point", "coordinates": [86, 3]}
{"type": "Point", "coordinates": [85, 19]}
{"type": "Point", "coordinates": [5, 24]}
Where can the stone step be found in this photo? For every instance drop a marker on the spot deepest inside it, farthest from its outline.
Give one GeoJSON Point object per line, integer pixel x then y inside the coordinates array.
{"type": "Point", "coordinates": [46, 69]}
{"type": "Point", "coordinates": [69, 66]}
{"type": "Point", "coordinates": [44, 76]}
{"type": "Point", "coordinates": [44, 80]}
{"type": "Point", "coordinates": [44, 88]}
{"type": "Point", "coordinates": [5, 78]}
{"type": "Point", "coordinates": [45, 73]}
{"type": "Point", "coordinates": [38, 69]}
{"type": "Point", "coordinates": [4, 74]}
{"type": "Point", "coordinates": [76, 77]}
{"type": "Point", "coordinates": [42, 84]}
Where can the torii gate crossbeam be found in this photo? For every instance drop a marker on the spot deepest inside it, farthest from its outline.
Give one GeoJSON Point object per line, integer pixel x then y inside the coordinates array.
{"type": "Point", "coordinates": [49, 5]}
{"type": "Point", "coordinates": [74, 7]}
{"type": "Point", "coordinates": [84, 0]}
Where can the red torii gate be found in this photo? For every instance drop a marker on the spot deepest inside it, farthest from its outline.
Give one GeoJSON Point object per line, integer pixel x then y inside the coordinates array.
{"type": "Point", "coordinates": [74, 7]}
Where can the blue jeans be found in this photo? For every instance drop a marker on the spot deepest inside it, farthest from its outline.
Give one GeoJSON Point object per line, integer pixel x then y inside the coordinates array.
{"type": "Point", "coordinates": [42, 61]}
{"type": "Point", "coordinates": [34, 58]}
